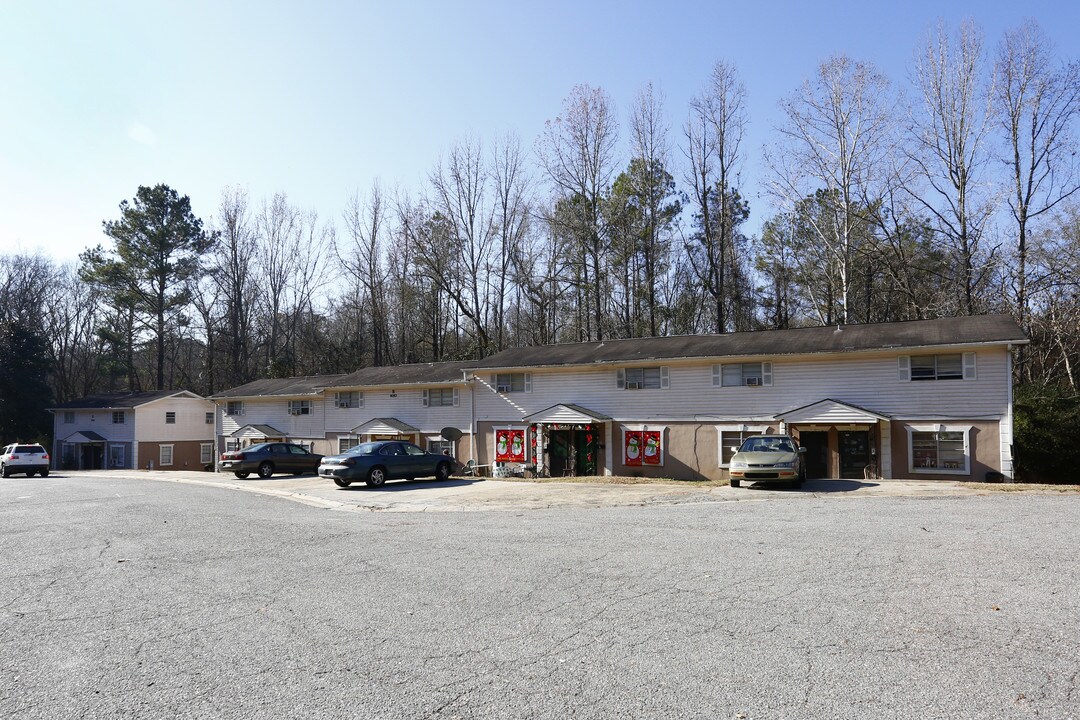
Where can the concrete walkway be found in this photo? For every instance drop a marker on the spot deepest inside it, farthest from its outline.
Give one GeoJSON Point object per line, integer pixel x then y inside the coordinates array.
{"type": "Point", "coordinates": [469, 495]}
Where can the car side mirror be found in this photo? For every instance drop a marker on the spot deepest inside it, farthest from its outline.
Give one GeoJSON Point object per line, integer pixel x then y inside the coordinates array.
{"type": "Point", "coordinates": [802, 449]}
{"type": "Point", "coordinates": [734, 449]}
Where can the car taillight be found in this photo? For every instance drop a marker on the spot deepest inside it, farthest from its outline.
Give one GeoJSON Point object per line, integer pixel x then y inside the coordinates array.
{"type": "Point", "coordinates": [13, 457]}
{"type": "Point", "coordinates": [44, 456]}
{"type": "Point", "coordinates": [348, 461]}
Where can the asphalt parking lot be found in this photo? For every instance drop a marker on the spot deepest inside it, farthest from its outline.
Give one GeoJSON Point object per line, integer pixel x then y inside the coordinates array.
{"type": "Point", "coordinates": [479, 494]}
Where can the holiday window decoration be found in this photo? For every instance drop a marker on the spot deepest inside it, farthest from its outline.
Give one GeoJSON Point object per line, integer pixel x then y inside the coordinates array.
{"type": "Point", "coordinates": [632, 449]}
{"type": "Point", "coordinates": [510, 445]}
{"type": "Point", "coordinates": [651, 447]}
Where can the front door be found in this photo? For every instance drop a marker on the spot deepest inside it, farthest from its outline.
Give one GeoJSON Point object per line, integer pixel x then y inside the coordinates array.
{"type": "Point", "coordinates": [572, 451]}
{"type": "Point", "coordinates": [854, 453]}
{"type": "Point", "coordinates": [817, 453]}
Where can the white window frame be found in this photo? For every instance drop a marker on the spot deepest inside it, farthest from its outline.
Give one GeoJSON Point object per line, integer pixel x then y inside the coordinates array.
{"type": "Point", "coordinates": [744, 429]}
{"type": "Point", "coordinates": [508, 387]}
{"type": "Point", "coordinates": [766, 374]}
{"type": "Point", "coordinates": [622, 383]}
{"type": "Point", "coordinates": [442, 394]}
{"type": "Point", "coordinates": [121, 454]}
{"type": "Point", "coordinates": [170, 417]}
{"type": "Point", "coordinates": [939, 428]}
{"type": "Point", "coordinates": [161, 455]}
{"type": "Point", "coordinates": [299, 407]}
{"type": "Point", "coordinates": [348, 399]}
{"type": "Point", "coordinates": [440, 440]}
{"type": "Point", "coordinates": [69, 417]}
{"type": "Point", "coordinates": [633, 427]}
{"type": "Point", "coordinates": [119, 417]}
{"type": "Point", "coordinates": [968, 367]}
{"type": "Point", "coordinates": [352, 442]}
{"type": "Point", "coordinates": [234, 407]}
{"type": "Point", "coordinates": [206, 453]}
{"type": "Point", "coordinates": [232, 444]}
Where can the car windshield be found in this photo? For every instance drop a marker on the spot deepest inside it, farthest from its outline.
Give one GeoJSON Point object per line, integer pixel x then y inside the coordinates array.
{"type": "Point", "coordinates": [767, 444]}
{"type": "Point", "coordinates": [362, 449]}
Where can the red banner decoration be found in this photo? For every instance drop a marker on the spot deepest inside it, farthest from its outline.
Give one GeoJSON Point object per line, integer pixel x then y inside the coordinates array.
{"type": "Point", "coordinates": [650, 440]}
{"type": "Point", "coordinates": [633, 447]}
{"type": "Point", "coordinates": [509, 446]}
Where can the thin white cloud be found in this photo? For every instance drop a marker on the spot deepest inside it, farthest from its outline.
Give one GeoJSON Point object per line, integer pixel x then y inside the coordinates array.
{"type": "Point", "coordinates": [142, 134]}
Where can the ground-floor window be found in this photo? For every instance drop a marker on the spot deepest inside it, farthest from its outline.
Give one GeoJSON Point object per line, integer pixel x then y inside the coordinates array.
{"type": "Point", "coordinates": [939, 449]}
{"type": "Point", "coordinates": [643, 445]}
{"type": "Point", "coordinates": [345, 444]}
{"type": "Point", "coordinates": [116, 456]}
{"type": "Point", "coordinates": [731, 436]}
{"type": "Point", "coordinates": [165, 455]}
{"type": "Point", "coordinates": [440, 446]}
{"type": "Point", "coordinates": [231, 445]}
{"type": "Point", "coordinates": [206, 453]}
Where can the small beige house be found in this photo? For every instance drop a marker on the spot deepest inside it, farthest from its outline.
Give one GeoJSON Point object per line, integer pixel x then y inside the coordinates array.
{"type": "Point", "coordinates": [163, 430]}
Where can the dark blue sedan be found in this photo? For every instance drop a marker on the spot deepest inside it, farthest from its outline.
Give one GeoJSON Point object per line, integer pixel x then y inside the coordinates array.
{"type": "Point", "coordinates": [377, 462]}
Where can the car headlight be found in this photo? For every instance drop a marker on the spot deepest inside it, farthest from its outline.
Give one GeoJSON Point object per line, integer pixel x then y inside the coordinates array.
{"type": "Point", "coordinates": [738, 464]}
{"type": "Point", "coordinates": [785, 465]}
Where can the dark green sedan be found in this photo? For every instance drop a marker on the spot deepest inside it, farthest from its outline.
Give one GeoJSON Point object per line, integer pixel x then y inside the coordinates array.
{"type": "Point", "coordinates": [269, 458]}
{"type": "Point", "coordinates": [377, 462]}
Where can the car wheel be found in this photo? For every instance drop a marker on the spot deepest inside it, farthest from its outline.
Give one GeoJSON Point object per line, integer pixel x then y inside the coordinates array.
{"type": "Point", "coordinates": [342, 482]}
{"type": "Point", "coordinates": [376, 477]}
{"type": "Point", "coordinates": [241, 475]}
{"type": "Point", "coordinates": [4, 471]}
{"type": "Point", "coordinates": [45, 472]}
{"type": "Point", "coordinates": [734, 482]}
{"type": "Point", "coordinates": [442, 472]}
{"type": "Point", "coordinates": [266, 469]}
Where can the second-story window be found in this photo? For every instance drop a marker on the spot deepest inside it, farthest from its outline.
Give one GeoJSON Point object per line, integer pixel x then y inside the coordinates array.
{"type": "Point", "coordinates": [118, 417]}
{"type": "Point", "coordinates": [352, 399]}
{"type": "Point", "coordinates": [947, 366]}
{"type": "Point", "coordinates": [513, 382]}
{"type": "Point", "coordinates": [209, 418]}
{"type": "Point", "coordinates": [69, 418]}
{"type": "Point", "coordinates": [441, 397]}
{"type": "Point", "coordinates": [642, 378]}
{"type": "Point", "coordinates": [299, 407]}
{"type": "Point", "coordinates": [753, 374]}
{"type": "Point", "coordinates": [170, 418]}
{"type": "Point", "coordinates": [234, 407]}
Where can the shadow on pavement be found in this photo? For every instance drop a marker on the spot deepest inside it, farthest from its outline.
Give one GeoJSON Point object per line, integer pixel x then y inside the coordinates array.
{"type": "Point", "coordinates": [404, 485]}
{"type": "Point", "coordinates": [816, 486]}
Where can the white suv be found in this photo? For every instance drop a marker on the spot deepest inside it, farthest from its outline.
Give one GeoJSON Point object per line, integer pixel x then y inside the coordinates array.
{"type": "Point", "coordinates": [27, 459]}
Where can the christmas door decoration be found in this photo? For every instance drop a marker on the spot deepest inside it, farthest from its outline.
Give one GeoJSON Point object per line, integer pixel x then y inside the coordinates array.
{"type": "Point", "coordinates": [509, 446]}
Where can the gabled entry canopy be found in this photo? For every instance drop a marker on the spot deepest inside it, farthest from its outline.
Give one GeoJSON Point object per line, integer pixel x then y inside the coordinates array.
{"type": "Point", "coordinates": [567, 413]}
{"type": "Point", "coordinates": [385, 426]}
{"type": "Point", "coordinates": [257, 432]}
{"type": "Point", "coordinates": [830, 412]}
{"type": "Point", "coordinates": [84, 436]}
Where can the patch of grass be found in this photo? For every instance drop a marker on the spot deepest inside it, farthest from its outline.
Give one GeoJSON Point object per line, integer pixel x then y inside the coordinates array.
{"type": "Point", "coordinates": [1021, 487]}
{"type": "Point", "coordinates": [620, 480]}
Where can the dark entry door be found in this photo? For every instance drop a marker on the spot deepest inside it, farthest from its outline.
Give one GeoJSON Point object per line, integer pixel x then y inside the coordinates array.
{"type": "Point", "coordinates": [562, 455]}
{"type": "Point", "coordinates": [817, 453]}
{"type": "Point", "coordinates": [854, 453]}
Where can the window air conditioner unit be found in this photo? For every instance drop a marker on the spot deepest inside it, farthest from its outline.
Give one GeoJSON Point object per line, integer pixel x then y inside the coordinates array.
{"type": "Point", "coordinates": [502, 389]}
{"type": "Point", "coordinates": [633, 386]}
{"type": "Point", "coordinates": [753, 382]}
{"type": "Point", "coordinates": [343, 403]}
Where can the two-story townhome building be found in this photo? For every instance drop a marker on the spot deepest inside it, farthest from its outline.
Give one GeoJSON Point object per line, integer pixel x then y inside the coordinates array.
{"type": "Point", "coordinates": [415, 402]}
{"type": "Point", "coordinates": [166, 430]}
{"type": "Point", "coordinates": [922, 399]}
{"type": "Point", "coordinates": [282, 409]}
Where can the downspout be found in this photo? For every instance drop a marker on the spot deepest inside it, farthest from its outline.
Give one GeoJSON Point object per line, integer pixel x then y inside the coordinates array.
{"type": "Point", "coordinates": [472, 416]}
{"type": "Point", "coordinates": [1011, 472]}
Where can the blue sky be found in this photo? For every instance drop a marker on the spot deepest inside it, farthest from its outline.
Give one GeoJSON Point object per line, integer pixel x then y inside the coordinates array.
{"type": "Point", "coordinates": [317, 99]}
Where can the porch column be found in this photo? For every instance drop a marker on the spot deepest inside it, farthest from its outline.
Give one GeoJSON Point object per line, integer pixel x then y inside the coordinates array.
{"type": "Point", "coordinates": [609, 450]}
{"type": "Point", "coordinates": [885, 462]}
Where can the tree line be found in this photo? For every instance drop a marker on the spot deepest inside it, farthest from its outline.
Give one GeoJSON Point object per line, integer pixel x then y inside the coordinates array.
{"type": "Point", "coordinates": [952, 192]}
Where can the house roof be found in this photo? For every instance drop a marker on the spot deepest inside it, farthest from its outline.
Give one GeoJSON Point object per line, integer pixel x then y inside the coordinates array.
{"type": "Point", "coordinates": [411, 374]}
{"type": "Point", "coordinates": [282, 387]}
{"type": "Point", "coordinates": [566, 412]}
{"type": "Point", "coordinates": [829, 410]}
{"type": "Point", "coordinates": [256, 431]}
{"type": "Point", "coordinates": [977, 329]}
{"type": "Point", "coordinates": [84, 436]}
{"type": "Point", "coordinates": [120, 400]}
{"type": "Point", "coordinates": [379, 425]}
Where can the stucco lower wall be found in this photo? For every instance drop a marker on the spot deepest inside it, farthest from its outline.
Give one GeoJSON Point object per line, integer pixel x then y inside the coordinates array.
{"type": "Point", "coordinates": [984, 447]}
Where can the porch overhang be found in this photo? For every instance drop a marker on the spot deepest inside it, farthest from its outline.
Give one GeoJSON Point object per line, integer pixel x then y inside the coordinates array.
{"type": "Point", "coordinates": [84, 436]}
{"type": "Point", "coordinates": [831, 412]}
{"type": "Point", "coordinates": [257, 432]}
{"type": "Point", "coordinates": [385, 426]}
{"type": "Point", "coordinates": [566, 413]}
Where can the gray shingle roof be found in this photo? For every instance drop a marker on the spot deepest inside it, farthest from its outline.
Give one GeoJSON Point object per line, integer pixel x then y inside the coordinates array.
{"type": "Point", "coordinates": [411, 374]}
{"type": "Point", "coordinates": [116, 400]}
{"type": "Point", "coordinates": [283, 387]}
{"type": "Point", "coordinates": [849, 338]}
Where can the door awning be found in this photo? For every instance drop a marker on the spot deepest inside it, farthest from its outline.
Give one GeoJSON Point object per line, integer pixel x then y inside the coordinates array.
{"type": "Point", "coordinates": [830, 412]}
{"type": "Point", "coordinates": [84, 436]}
{"type": "Point", "coordinates": [385, 426]}
{"type": "Point", "coordinates": [567, 413]}
{"type": "Point", "coordinates": [257, 432]}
